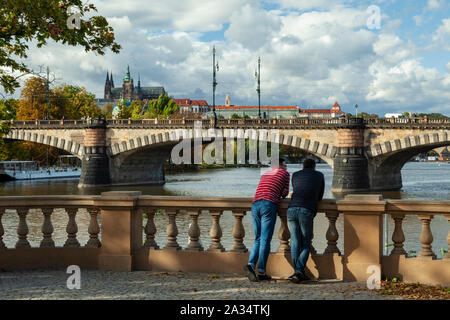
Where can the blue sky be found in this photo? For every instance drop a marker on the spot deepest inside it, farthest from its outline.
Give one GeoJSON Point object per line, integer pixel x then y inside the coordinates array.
{"type": "Point", "coordinates": [313, 52]}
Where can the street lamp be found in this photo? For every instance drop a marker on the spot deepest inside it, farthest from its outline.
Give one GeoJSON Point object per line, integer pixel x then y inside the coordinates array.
{"type": "Point", "coordinates": [258, 89]}
{"type": "Point", "coordinates": [356, 108]}
{"type": "Point", "coordinates": [215, 66]}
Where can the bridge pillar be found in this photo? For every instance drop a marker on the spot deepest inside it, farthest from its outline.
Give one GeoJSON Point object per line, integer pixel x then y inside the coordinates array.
{"type": "Point", "coordinates": [95, 162]}
{"type": "Point", "coordinates": [351, 170]}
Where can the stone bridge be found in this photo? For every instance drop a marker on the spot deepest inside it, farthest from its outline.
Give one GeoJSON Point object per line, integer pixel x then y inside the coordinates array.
{"type": "Point", "coordinates": [366, 154]}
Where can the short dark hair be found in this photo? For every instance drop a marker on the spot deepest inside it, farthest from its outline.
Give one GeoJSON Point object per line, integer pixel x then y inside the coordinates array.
{"type": "Point", "coordinates": [309, 163]}
{"type": "Point", "coordinates": [281, 161]}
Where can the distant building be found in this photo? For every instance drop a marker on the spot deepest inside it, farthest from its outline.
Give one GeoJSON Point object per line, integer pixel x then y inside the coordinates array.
{"type": "Point", "coordinates": [278, 112]}
{"type": "Point", "coordinates": [128, 91]}
{"type": "Point", "coordinates": [228, 110]}
{"type": "Point", "coordinates": [334, 112]}
{"type": "Point", "coordinates": [195, 106]}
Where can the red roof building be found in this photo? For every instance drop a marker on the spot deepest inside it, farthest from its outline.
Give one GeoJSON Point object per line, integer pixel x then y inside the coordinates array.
{"type": "Point", "coordinates": [334, 112]}
{"type": "Point", "coordinates": [195, 106]}
{"type": "Point", "coordinates": [253, 111]}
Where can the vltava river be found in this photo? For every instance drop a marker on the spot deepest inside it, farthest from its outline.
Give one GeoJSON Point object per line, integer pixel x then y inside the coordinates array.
{"type": "Point", "coordinates": [421, 181]}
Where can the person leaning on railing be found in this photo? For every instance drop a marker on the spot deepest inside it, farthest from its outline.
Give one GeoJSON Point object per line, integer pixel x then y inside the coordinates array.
{"type": "Point", "coordinates": [273, 185]}
{"type": "Point", "coordinates": [308, 185]}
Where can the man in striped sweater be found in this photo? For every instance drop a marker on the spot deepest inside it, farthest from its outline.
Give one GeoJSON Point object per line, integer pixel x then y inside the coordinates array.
{"type": "Point", "coordinates": [274, 184]}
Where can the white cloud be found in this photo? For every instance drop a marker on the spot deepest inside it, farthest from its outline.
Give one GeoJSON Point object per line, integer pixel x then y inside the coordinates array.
{"type": "Point", "coordinates": [186, 15]}
{"type": "Point", "coordinates": [252, 27]}
{"type": "Point", "coordinates": [308, 58]}
{"type": "Point", "coordinates": [435, 4]}
{"type": "Point", "coordinates": [442, 34]}
{"type": "Point", "coordinates": [418, 20]}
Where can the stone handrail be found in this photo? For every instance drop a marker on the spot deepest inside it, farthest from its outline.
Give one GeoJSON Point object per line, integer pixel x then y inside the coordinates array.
{"type": "Point", "coordinates": [230, 123]}
{"type": "Point", "coordinates": [123, 247]}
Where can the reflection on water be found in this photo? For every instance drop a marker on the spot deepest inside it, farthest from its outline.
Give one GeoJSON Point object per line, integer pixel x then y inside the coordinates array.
{"type": "Point", "coordinates": [422, 181]}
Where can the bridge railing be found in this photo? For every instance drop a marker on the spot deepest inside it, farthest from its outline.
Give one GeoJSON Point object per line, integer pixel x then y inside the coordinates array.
{"type": "Point", "coordinates": [292, 122]}
{"type": "Point", "coordinates": [121, 239]}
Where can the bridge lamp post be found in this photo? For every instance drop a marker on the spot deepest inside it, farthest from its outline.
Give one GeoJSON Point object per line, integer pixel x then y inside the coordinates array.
{"type": "Point", "coordinates": [215, 66]}
{"type": "Point", "coordinates": [258, 89]}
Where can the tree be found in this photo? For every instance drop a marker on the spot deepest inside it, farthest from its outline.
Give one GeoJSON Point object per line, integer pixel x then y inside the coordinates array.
{"type": "Point", "coordinates": [137, 109]}
{"type": "Point", "coordinates": [22, 21]}
{"type": "Point", "coordinates": [68, 101]}
{"type": "Point", "coordinates": [8, 109]}
{"type": "Point", "coordinates": [235, 116]}
{"type": "Point", "coordinates": [108, 109]}
{"type": "Point", "coordinates": [161, 108]}
{"type": "Point", "coordinates": [79, 102]}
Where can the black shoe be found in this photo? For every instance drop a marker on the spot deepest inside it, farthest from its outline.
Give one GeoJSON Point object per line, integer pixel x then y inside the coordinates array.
{"type": "Point", "coordinates": [303, 276]}
{"type": "Point", "coordinates": [262, 277]}
{"type": "Point", "coordinates": [295, 278]}
{"type": "Point", "coordinates": [250, 273]}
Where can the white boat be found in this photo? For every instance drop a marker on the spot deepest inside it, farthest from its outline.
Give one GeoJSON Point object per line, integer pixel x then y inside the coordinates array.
{"type": "Point", "coordinates": [29, 170]}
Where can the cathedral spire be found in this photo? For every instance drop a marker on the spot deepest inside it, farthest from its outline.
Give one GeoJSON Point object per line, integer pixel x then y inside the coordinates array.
{"type": "Point", "coordinates": [127, 77]}
{"type": "Point", "coordinates": [112, 80]}
{"type": "Point", "coordinates": [139, 80]}
{"type": "Point", "coordinates": [107, 77]}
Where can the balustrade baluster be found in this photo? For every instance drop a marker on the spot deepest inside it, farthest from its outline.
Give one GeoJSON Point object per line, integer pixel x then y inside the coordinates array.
{"type": "Point", "coordinates": [93, 229]}
{"type": "Point", "coordinates": [47, 229]}
{"type": "Point", "coordinates": [284, 234]}
{"type": "Point", "coordinates": [172, 231]}
{"type": "Point", "coordinates": [216, 232]}
{"type": "Point", "coordinates": [194, 232]}
{"type": "Point", "coordinates": [72, 229]}
{"type": "Point", "coordinates": [239, 232]}
{"type": "Point", "coordinates": [150, 230]}
{"type": "Point", "coordinates": [426, 237]}
{"type": "Point", "coordinates": [398, 236]}
{"type": "Point", "coordinates": [332, 234]}
{"type": "Point", "coordinates": [2, 232]}
{"type": "Point", "coordinates": [447, 256]}
{"type": "Point", "coordinates": [312, 250]}
{"type": "Point", "coordinates": [22, 229]}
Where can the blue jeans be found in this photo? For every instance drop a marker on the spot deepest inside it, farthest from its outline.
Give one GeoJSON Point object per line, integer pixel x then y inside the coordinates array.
{"type": "Point", "coordinates": [300, 221]}
{"type": "Point", "coordinates": [264, 216]}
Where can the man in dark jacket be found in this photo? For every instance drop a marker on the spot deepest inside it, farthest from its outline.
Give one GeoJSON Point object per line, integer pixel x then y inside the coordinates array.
{"type": "Point", "coordinates": [309, 186]}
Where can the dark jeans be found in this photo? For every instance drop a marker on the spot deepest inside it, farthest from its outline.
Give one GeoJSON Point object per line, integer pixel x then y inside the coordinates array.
{"type": "Point", "coordinates": [300, 221]}
{"type": "Point", "coordinates": [264, 216]}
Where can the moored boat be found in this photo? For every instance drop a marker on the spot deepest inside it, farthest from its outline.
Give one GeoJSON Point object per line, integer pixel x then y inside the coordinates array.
{"type": "Point", "coordinates": [30, 170]}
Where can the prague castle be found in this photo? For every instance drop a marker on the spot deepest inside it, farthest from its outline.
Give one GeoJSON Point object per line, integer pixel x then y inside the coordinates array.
{"type": "Point", "coordinates": [128, 91]}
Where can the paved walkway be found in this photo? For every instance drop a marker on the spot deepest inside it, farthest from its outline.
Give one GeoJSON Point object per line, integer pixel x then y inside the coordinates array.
{"type": "Point", "coordinates": [51, 284]}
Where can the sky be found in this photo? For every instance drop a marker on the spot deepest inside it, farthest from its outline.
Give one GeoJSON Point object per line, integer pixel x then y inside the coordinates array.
{"type": "Point", "coordinates": [384, 55]}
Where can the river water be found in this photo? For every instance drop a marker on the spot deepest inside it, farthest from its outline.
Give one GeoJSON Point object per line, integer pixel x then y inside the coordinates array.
{"type": "Point", "coordinates": [421, 181]}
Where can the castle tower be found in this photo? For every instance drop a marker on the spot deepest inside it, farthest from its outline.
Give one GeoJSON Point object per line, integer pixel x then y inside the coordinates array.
{"type": "Point", "coordinates": [107, 87]}
{"type": "Point", "coordinates": [128, 86]}
{"type": "Point", "coordinates": [228, 100]}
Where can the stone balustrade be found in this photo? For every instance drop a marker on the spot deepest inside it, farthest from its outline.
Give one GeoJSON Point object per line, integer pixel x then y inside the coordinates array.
{"type": "Point", "coordinates": [127, 241]}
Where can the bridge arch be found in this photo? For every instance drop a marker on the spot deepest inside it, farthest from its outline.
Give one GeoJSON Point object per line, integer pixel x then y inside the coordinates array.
{"type": "Point", "coordinates": [141, 159]}
{"type": "Point", "coordinates": [322, 150]}
{"type": "Point", "coordinates": [47, 139]}
{"type": "Point", "coordinates": [387, 159]}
